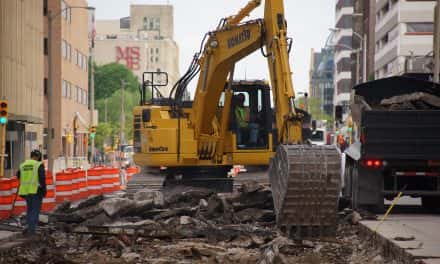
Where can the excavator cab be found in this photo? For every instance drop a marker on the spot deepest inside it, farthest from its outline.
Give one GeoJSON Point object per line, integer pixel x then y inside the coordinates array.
{"type": "Point", "coordinates": [253, 99]}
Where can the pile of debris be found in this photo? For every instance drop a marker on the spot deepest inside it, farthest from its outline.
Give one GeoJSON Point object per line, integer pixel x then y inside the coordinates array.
{"type": "Point", "coordinates": [181, 225]}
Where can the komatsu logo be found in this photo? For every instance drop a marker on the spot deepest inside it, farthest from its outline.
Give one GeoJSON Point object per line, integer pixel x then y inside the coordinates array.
{"type": "Point", "coordinates": [158, 149]}
{"type": "Point", "coordinates": [240, 38]}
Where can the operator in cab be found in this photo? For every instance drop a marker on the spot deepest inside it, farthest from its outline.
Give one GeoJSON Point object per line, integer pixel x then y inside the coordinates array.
{"type": "Point", "coordinates": [242, 117]}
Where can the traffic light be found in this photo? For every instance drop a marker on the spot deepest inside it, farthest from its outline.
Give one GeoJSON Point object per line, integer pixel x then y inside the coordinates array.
{"type": "Point", "coordinates": [69, 138]}
{"type": "Point", "coordinates": [3, 112]}
{"type": "Point", "coordinates": [92, 132]}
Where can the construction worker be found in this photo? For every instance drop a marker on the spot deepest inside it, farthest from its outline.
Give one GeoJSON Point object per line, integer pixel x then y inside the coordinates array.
{"type": "Point", "coordinates": [32, 188]}
{"type": "Point", "coordinates": [242, 117]}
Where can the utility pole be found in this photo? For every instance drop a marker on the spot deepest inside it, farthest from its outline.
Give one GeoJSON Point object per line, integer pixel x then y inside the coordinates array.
{"type": "Point", "coordinates": [2, 149]}
{"type": "Point", "coordinates": [50, 97]}
{"type": "Point", "coordinates": [105, 110]}
{"type": "Point", "coordinates": [358, 65]}
{"type": "Point", "coordinates": [437, 43]}
{"type": "Point", "coordinates": [364, 59]}
{"type": "Point", "coordinates": [92, 104]}
{"type": "Point", "coordinates": [122, 134]}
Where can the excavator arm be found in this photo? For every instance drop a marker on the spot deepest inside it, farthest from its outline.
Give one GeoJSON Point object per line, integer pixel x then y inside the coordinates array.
{"type": "Point", "coordinates": [223, 49]}
{"type": "Point", "coordinates": [232, 42]}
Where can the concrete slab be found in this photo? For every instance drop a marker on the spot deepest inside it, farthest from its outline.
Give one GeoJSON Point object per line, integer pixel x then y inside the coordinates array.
{"type": "Point", "coordinates": [5, 235]}
{"type": "Point", "coordinates": [424, 229]}
{"type": "Point", "coordinates": [431, 261]}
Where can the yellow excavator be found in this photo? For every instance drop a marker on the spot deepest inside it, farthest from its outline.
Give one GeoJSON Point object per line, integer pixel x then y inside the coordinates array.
{"type": "Point", "coordinates": [239, 122]}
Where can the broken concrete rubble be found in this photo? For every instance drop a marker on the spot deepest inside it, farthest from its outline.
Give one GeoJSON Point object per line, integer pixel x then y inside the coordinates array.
{"type": "Point", "coordinates": [147, 194]}
{"type": "Point", "coordinates": [191, 226]}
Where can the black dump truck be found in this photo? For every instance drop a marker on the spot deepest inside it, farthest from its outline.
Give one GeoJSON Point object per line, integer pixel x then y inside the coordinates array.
{"type": "Point", "coordinates": [398, 143]}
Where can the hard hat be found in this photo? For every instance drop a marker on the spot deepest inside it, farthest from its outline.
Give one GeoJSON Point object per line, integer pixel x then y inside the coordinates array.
{"type": "Point", "coordinates": [36, 153]}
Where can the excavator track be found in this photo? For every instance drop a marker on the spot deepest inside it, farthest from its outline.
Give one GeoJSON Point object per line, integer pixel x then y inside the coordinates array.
{"type": "Point", "coordinates": [306, 184]}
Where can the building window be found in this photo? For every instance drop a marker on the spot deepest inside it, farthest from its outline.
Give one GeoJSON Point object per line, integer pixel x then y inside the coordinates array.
{"type": "Point", "coordinates": [68, 51]}
{"type": "Point", "coordinates": [67, 13]}
{"type": "Point", "coordinates": [64, 49]}
{"type": "Point", "coordinates": [151, 24]}
{"type": "Point", "coordinates": [75, 56]}
{"type": "Point", "coordinates": [145, 25]}
{"type": "Point", "coordinates": [157, 50]}
{"type": "Point", "coordinates": [64, 88]}
{"type": "Point", "coordinates": [69, 91]}
{"type": "Point", "coordinates": [46, 84]}
{"type": "Point", "coordinates": [45, 10]}
{"type": "Point", "coordinates": [157, 59]}
{"type": "Point", "coordinates": [157, 23]}
{"type": "Point", "coordinates": [78, 94]}
{"type": "Point", "coordinates": [344, 65]}
{"type": "Point", "coordinates": [422, 28]}
{"type": "Point", "coordinates": [46, 46]}
{"type": "Point", "coordinates": [151, 59]}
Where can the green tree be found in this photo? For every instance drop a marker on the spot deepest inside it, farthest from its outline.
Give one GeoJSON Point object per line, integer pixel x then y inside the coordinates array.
{"type": "Point", "coordinates": [104, 133]}
{"type": "Point", "coordinates": [315, 109]}
{"type": "Point", "coordinates": [113, 112]}
{"type": "Point", "coordinates": [108, 80]}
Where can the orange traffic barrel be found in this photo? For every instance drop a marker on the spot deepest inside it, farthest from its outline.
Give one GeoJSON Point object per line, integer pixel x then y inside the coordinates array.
{"type": "Point", "coordinates": [94, 181]}
{"type": "Point", "coordinates": [6, 198]}
{"type": "Point", "coordinates": [82, 184]}
{"type": "Point", "coordinates": [49, 200]}
{"type": "Point", "coordinates": [64, 186]}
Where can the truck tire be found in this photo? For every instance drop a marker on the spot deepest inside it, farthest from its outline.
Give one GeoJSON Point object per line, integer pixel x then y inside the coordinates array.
{"type": "Point", "coordinates": [347, 189]}
{"type": "Point", "coordinates": [367, 189]}
{"type": "Point", "coordinates": [431, 202]}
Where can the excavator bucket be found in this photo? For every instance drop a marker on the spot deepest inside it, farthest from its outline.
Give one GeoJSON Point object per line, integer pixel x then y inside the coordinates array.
{"type": "Point", "coordinates": [306, 184]}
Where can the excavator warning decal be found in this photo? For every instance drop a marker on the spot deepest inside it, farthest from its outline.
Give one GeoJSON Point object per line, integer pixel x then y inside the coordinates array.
{"type": "Point", "coordinates": [240, 38]}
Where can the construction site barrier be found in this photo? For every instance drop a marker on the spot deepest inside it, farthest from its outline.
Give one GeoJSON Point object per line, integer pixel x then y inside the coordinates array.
{"type": "Point", "coordinates": [94, 181]}
{"type": "Point", "coordinates": [49, 201]}
{"type": "Point", "coordinates": [130, 172]}
{"type": "Point", "coordinates": [64, 186]}
{"type": "Point", "coordinates": [67, 185]}
{"type": "Point", "coordinates": [111, 181]}
{"type": "Point", "coordinates": [6, 198]}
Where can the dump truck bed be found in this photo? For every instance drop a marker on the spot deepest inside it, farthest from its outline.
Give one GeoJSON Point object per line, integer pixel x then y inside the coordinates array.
{"type": "Point", "coordinates": [409, 135]}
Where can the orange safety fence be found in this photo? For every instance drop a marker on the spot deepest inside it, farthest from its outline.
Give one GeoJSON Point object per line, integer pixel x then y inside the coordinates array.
{"type": "Point", "coordinates": [67, 185]}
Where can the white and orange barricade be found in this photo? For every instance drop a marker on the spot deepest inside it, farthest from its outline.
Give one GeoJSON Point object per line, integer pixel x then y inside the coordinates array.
{"type": "Point", "coordinates": [82, 184]}
{"type": "Point", "coordinates": [111, 180]}
{"type": "Point", "coordinates": [49, 201]}
{"type": "Point", "coordinates": [64, 186]}
{"type": "Point", "coordinates": [131, 171]}
{"type": "Point", "coordinates": [6, 197]}
{"type": "Point", "coordinates": [94, 181]}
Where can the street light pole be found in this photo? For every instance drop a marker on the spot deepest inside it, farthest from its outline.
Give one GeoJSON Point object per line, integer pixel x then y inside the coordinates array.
{"type": "Point", "coordinates": [50, 98]}
{"type": "Point", "coordinates": [122, 136]}
{"type": "Point", "coordinates": [50, 125]}
{"type": "Point", "coordinates": [92, 96]}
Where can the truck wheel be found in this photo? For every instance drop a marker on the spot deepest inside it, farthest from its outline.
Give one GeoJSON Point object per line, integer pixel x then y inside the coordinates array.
{"type": "Point", "coordinates": [431, 202]}
{"type": "Point", "coordinates": [366, 190]}
{"type": "Point", "coordinates": [346, 191]}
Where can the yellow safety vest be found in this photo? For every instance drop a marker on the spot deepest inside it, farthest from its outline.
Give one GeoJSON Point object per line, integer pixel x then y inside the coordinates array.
{"type": "Point", "coordinates": [240, 115]}
{"type": "Point", "coordinates": [29, 177]}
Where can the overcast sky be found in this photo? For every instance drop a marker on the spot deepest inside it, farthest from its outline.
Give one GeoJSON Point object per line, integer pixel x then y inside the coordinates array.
{"type": "Point", "coordinates": [309, 22]}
